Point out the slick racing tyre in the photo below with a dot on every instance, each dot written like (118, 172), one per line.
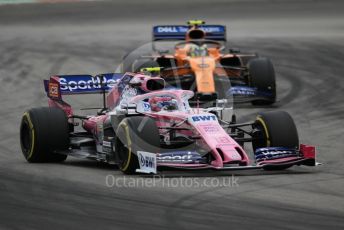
(275, 129)
(262, 77)
(135, 134)
(43, 131)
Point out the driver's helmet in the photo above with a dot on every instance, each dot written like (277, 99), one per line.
(198, 51)
(162, 103)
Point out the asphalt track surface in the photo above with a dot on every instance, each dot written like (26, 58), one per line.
(304, 39)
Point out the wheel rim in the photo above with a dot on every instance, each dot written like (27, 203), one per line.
(26, 137)
(123, 155)
(124, 150)
(261, 136)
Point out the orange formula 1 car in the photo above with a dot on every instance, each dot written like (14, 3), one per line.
(195, 57)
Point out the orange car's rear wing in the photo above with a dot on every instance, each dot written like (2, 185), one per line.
(178, 32)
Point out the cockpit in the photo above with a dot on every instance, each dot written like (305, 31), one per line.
(172, 101)
(198, 48)
(163, 103)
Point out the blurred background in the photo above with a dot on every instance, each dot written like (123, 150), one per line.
(304, 40)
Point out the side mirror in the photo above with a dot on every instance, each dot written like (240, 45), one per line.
(126, 109)
(221, 102)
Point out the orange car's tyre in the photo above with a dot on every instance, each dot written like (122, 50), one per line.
(262, 77)
(43, 131)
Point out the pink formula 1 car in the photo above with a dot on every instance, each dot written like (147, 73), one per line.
(144, 127)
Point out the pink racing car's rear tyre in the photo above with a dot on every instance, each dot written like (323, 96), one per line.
(43, 131)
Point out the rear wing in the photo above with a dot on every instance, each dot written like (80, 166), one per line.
(59, 85)
(178, 32)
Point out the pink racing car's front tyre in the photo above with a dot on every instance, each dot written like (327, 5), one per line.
(275, 129)
(135, 134)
